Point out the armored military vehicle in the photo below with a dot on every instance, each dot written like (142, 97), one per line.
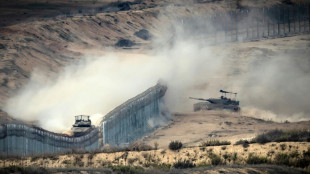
(218, 103)
(82, 125)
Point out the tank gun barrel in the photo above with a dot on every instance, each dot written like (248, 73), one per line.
(222, 91)
(198, 99)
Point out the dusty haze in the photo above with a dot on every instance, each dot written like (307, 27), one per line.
(271, 83)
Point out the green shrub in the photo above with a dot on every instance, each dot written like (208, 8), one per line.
(159, 166)
(254, 159)
(78, 161)
(215, 159)
(215, 143)
(202, 164)
(139, 146)
(19, 169)
(282, 159)
(175, 145)
(183, 164)
(226, 156)
(294, 154)
(234, 157)
(293, 159)
(244, 143)
(127, 169)
(34, 158)
(283, 146)
(66, 162)
(261, 139)
(282, 136)
(91, 156)
(270, 153)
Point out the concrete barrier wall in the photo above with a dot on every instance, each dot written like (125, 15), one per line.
(135, 118)
(25, 140)
(123, 125)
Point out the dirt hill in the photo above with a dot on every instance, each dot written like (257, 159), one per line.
(49, 36)
(195, 127)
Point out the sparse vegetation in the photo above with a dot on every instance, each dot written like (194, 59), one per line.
(282, 136)
(78, 161)
(215, 159)
(66, 162)
(228, 123)
(132, 160)
(175, 145)
(215, 143)
(139, 146)
(283, 146)
(127, 169)
(254, 159)
(244, 143)
(202, 164)
(270, 153)
(183, 164)
(156, 145)
(282, 159)
(19, 169)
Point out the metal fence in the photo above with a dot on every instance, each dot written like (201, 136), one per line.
(252, 24)
(123, 125)
(26, 140)
(135, 118)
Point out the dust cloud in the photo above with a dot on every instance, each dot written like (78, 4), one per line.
(98, 84)
(276, 88)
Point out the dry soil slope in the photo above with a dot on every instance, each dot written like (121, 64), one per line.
(195, 127)
(197, 155)
(51, 43)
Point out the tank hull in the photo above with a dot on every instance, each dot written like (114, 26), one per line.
(209, 106)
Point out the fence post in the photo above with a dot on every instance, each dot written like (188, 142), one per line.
(288, 19)
(257, 21)
(268, 21)
(294, 18)
(298, 11)
(215, 26)
(263, 24)
(221, 27)
(252, 27)
(231, 27)
(247, 24)
(305, 18)
(283, 20)
(236, 14)
(309, 16)
(273, 22)
(279, 18)
(225, 27)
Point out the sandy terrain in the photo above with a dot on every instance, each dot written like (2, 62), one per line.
(194, 127)
(48, 37)
(50, 43)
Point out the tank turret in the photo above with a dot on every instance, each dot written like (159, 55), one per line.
(82, 124)
(218, 103)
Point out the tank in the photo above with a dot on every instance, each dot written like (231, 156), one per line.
(82, 125)
(222, 103)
